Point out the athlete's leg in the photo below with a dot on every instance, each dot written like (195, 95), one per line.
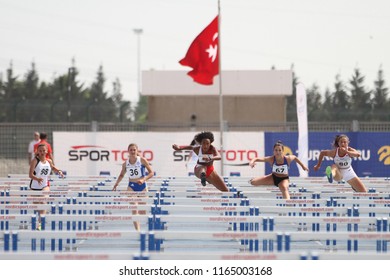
(137, 224)
(261, 181)
(283, 187)
(217, 181)
(200, 172)
(41, 212)
(357, 185)
(336, 173)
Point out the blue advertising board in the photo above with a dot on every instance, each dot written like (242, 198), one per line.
(373, 146)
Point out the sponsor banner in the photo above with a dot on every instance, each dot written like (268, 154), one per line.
(373, 146)
(89, 153)
(303, 133)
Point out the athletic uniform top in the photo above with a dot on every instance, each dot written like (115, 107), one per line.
(191, 163)
(42, 170)
(136, 170)
(201, 161)
(343, 162)
(194, 157)
(280, 169)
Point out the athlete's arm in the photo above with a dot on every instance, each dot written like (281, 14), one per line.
(149, 168)
(351, 152)
(55, 168)
(120, 177)
(323, 153)
(216, 155)
(253, 161)
(33, 164)
(295, 158)
(180, 148)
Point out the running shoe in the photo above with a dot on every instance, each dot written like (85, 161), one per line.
(329, 175)
(203, 178)
(39, 227)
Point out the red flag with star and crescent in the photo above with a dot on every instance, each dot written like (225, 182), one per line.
(202, 55)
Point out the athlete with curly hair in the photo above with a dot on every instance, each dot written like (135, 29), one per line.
(207, 154)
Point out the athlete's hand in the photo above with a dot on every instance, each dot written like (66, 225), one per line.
(141, 181)
(207, 158)
(175, 147)
(344, 149)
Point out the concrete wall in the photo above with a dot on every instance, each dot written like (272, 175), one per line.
(236, 110)
(248, 97)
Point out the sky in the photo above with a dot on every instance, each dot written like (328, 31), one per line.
(321, 39)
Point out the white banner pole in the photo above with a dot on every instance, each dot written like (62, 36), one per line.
(303, 135)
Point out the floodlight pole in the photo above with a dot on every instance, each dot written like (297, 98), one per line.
(138, 32)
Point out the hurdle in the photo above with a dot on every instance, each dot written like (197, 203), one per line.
(305, 255)
(276, 241)
(27, 240)
(38, 255)
(320, 221)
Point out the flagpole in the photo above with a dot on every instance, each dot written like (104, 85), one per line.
(221, 126)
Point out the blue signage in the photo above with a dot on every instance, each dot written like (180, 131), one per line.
(373, 146)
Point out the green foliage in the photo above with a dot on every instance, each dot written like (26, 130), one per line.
(380, 102)
(345, 103)
(141, 110)
(65, 99)
(291, 107)
(314, 104)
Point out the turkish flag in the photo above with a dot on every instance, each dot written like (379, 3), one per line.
(202, 55)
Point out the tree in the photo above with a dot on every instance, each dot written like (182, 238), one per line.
(380, 102)
(291, 108)
(314, 105)
(11, 88)
(12, 97)
(30, 89)
(31, 83)
(340, 102)
(327, 106)
(141, 111)
(123, 107)
(100, 108)
(62, 100)
(360, 98)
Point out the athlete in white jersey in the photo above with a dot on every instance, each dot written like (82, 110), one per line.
(40, 169)
(342, 169)
(134, 168)
(280, 165)
(135, 171)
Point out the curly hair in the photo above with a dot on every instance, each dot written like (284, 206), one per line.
(204, 135)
